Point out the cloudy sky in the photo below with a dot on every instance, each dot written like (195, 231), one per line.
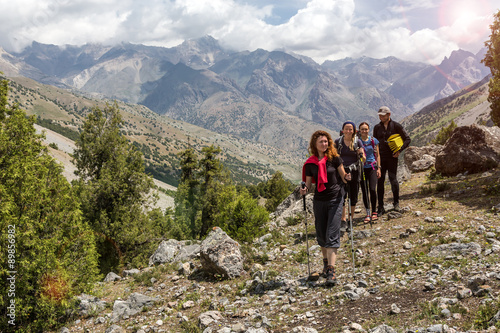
(417, 30)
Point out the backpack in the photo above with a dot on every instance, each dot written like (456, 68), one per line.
(341, 139)
(372, 142)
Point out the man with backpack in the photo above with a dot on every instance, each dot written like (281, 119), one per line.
(393, 140)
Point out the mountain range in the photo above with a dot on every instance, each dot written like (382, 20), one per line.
(270, 97)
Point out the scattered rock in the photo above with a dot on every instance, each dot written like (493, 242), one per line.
(464, 249)
(395, 309)
(112, 277)
(130, 272)
(115, 329)
(132, 306)
(221, 255)
(90, 305)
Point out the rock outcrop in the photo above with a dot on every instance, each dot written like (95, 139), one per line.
(221, 255)
(421, 158)
(470, 149)
(174, 251)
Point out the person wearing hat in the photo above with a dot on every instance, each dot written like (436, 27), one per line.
(388, 158)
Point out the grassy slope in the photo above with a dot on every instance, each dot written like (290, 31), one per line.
(399, 274)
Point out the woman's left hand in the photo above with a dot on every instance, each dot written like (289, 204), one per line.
(379, 174)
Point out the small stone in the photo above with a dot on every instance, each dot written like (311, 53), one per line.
(446, 313)
(407, 246)
(464, 293)
(428, 286)
(395, 309)
(238, 328)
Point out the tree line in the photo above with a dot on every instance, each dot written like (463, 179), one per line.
(64, 237)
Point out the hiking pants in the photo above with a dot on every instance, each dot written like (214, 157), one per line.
(371, 178)
(353, 188)
(388, 164)
(327, 216)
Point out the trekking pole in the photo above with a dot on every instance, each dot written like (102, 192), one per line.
(350, 227)
(366, 192)
(305, 220)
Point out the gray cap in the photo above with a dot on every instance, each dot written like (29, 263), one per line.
(383, 111)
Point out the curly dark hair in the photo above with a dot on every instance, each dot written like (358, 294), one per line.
(330, 153)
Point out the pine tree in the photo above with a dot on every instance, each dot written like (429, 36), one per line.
(277, 189)
(114, 190)
(215, 179)
(45, 241)
(187, 197)
(444, 134)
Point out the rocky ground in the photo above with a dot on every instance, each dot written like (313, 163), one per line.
(433, 267)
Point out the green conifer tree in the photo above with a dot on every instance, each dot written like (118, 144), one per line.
(277, 190)
(46, 246)
(492, 60)
(114, 191)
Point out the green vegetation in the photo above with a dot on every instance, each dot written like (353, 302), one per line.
(206, 197)
(492, 60)
(58, 128)
(484, 315)
(444, 134)
(50, 247)
(275, 190)
(113, 190)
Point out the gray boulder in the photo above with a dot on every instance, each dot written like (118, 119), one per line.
(302, 329)
(112, 277)
(425, 163)
(288, 202)
(413, 154)
(471, 149)
(115, 329)
(403, 174)
(464, 249)
(221, 255)
(187, 252)
(382, 329)
(132, 306)
(175, 251)
(165, 253)
(206, 318)
(90, 305)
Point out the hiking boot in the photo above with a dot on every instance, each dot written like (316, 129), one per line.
(396, 207)
(380, 210)
(331, 279)
(325, 267)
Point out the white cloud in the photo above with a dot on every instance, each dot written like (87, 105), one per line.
(321, 29)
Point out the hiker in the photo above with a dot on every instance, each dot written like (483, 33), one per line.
(324, 168)
(371, 171)
(383, 131)
(350, 148)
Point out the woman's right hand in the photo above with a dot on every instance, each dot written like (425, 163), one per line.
(303, 191)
